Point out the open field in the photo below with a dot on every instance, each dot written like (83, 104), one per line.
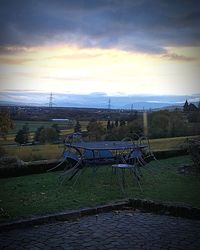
(33, 126)
(68, 128)
(172, 143)
(43, 193)
(54, 151)
(36, 152)
(65, 128)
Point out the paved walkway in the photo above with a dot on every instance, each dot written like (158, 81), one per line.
(114, 230)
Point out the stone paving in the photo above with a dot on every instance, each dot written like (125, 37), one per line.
(113, 230)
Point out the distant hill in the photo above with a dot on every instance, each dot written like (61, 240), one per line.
(154, 106)
(135, 106)
(97, 100)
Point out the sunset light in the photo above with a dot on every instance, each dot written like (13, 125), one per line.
(81, 70)
(108, 47)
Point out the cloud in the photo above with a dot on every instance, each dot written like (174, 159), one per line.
(73, 56)
(75, 78)
(146, 25)
(5, 60)
(174, 56)
(10, 50)
(16, 91)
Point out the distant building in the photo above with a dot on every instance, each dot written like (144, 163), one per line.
(192, 107)
(189, 107)
(59, 120)
(185, 106)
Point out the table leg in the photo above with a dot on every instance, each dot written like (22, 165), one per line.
(135, 176)
(74, 170)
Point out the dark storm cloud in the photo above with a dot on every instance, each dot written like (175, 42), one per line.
(143, 25)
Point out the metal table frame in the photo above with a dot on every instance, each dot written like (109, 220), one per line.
(118, 148)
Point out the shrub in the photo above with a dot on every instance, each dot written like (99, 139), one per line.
(2, 151)
(10, 162)
(193, 148)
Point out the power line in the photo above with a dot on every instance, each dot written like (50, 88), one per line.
(51, 100)
(131, 108)
(109, 104)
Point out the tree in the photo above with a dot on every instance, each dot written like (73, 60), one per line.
(19, 138)
(177, 124)
(26, 132)
(48, 135)
(122, 122)
(22, 136)
(37, 134)
(135, 128)
(108, 125)
(194, 117)
(5, 123)
(95, 130)
(119, 133)
(159, 124)
(56, 127)
(77, 127)
(116, 123)
(132, 116)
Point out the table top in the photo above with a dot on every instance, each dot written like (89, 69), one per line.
(107, 145)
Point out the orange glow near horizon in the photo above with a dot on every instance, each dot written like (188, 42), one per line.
(72, 69)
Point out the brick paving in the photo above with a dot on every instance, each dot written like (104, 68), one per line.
(113, 230)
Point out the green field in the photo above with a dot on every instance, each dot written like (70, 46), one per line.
(33, 125)
(173, 143)
(36, 152)
(43, 193)
(65, 127)
(54, 151)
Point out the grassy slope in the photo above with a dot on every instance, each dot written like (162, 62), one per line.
(172, 143)
(40, 194)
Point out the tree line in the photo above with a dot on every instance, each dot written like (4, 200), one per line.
(42, 135)
(161, 123)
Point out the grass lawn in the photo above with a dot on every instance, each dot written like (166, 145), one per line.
(40, 194)
(172, 143)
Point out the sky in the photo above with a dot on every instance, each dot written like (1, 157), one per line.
(99, 47)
